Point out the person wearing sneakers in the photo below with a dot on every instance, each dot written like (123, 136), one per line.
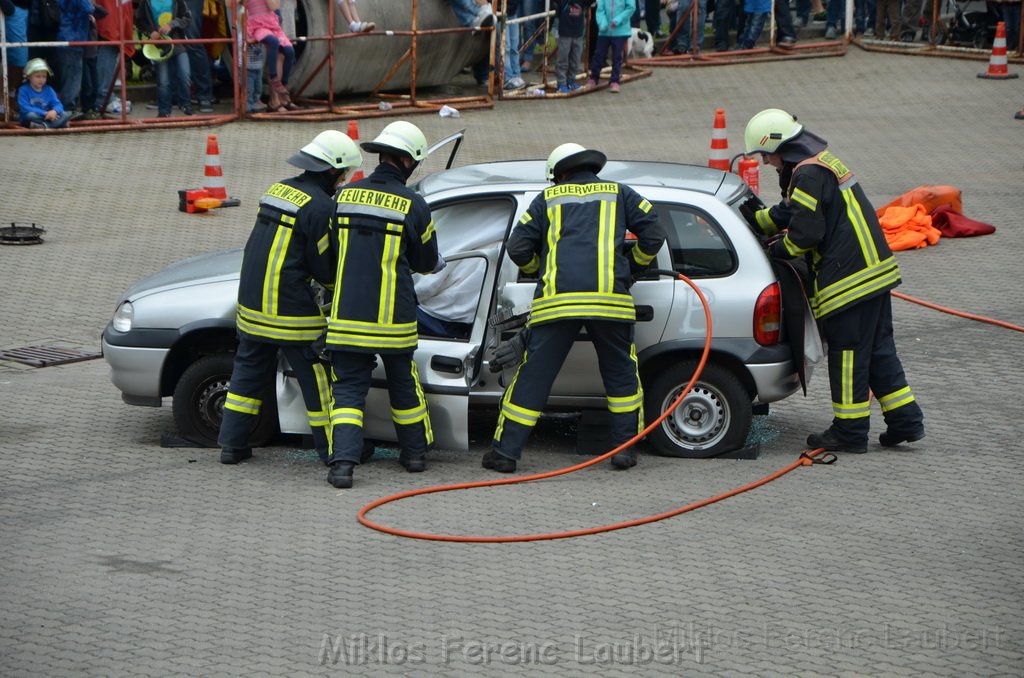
(613, 30)
(826, 218)
(572, 238)
(383, 233)
(355, 25)
(278, 310)
(572, 16)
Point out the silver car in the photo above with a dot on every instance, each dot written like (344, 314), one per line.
(173, 334)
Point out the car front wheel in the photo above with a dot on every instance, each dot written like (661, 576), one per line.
(714, 417)
(199, 403)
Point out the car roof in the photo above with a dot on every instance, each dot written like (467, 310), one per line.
(529, 175)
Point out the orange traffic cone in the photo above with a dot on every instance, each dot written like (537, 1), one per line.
(719, 155)
(213, 183)
(353, 134)
(997, 63)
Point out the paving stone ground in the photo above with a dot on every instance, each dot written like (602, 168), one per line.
(124, 558)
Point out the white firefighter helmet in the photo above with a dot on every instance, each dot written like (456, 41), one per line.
(35, 65)
(330, 149)
(401, 137)
(569, 156)
(769, 129)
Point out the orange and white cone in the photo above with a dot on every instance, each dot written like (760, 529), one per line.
(353, 134)
(213, 182)
(997, 69)
(719, 155)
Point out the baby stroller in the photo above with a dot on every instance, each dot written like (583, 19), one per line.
(966, 29)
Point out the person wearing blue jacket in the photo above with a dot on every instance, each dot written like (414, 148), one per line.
(613, 29)
(38, 105)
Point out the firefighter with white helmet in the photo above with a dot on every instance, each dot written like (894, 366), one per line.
(383, 233)
(277, 307)
(572, 239)
(826, 218)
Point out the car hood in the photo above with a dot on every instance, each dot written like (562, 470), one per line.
(200, 270)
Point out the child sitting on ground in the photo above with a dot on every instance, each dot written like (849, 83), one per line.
(39, 107)
(348, 10)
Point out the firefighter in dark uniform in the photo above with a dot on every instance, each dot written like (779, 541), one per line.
(573, 239)
(826, 217)
(277, 307)
(383, 233)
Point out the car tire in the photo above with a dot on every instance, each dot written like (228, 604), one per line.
(199, 403)
(714, 417)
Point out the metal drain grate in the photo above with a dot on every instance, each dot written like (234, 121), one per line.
(44, 356)
(21, 234)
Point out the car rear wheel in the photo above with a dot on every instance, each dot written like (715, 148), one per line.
(714, 417)
(199, 403)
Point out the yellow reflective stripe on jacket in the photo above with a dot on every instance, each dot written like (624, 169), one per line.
(791, 247)
(532, 266)
(641, 257)
(804, 198)
(428, 233)
(375, 203)
(606, 247)
(321, 418)
(765, 222)
(371, 335)
(551, 263)
(583, 305)
(242, 404)
(275, 264)
(389, 276)
(323, 243)
(860, 227)
(896, 399)
(305, 322)
(864, 282)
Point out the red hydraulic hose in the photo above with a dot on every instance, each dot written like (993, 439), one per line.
(804, 460)
(969, 316)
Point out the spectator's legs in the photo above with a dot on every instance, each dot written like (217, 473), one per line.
(600, 55)
(562, 60)
(724, 21)
(273, 46)
(465, 11)
(836, 11)
(784, 22)
(618, 53)
(198, 60)
(652, 16)
(106, 65)
(752, 31)
(71, 69)
(183, 82)
(162, 69)
(288, 54)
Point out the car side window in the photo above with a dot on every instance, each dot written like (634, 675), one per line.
(696, 241)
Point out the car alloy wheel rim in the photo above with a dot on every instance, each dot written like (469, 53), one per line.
(700, 420)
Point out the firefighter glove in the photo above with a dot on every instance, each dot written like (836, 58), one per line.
(510, 353)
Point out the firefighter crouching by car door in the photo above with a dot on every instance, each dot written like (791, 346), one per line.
(831, 222)
(573, 239)
(277, 308)
(383, 233)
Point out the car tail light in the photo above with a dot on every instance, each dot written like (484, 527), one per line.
(768, 316)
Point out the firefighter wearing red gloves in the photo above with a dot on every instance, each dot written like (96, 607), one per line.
(383, 233)
(277, 308)
(573, 239)
(825, 217)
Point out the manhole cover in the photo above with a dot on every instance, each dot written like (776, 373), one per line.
(44, 356)
(21, 234)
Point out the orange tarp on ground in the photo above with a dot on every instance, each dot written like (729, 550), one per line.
(929, 196)
(908, 228)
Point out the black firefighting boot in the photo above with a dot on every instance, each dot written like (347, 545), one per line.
(340, 474)
(828, 440)
(413, 464)
(494, 461)
(233, 455)
(892, 438)
(624, 459)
